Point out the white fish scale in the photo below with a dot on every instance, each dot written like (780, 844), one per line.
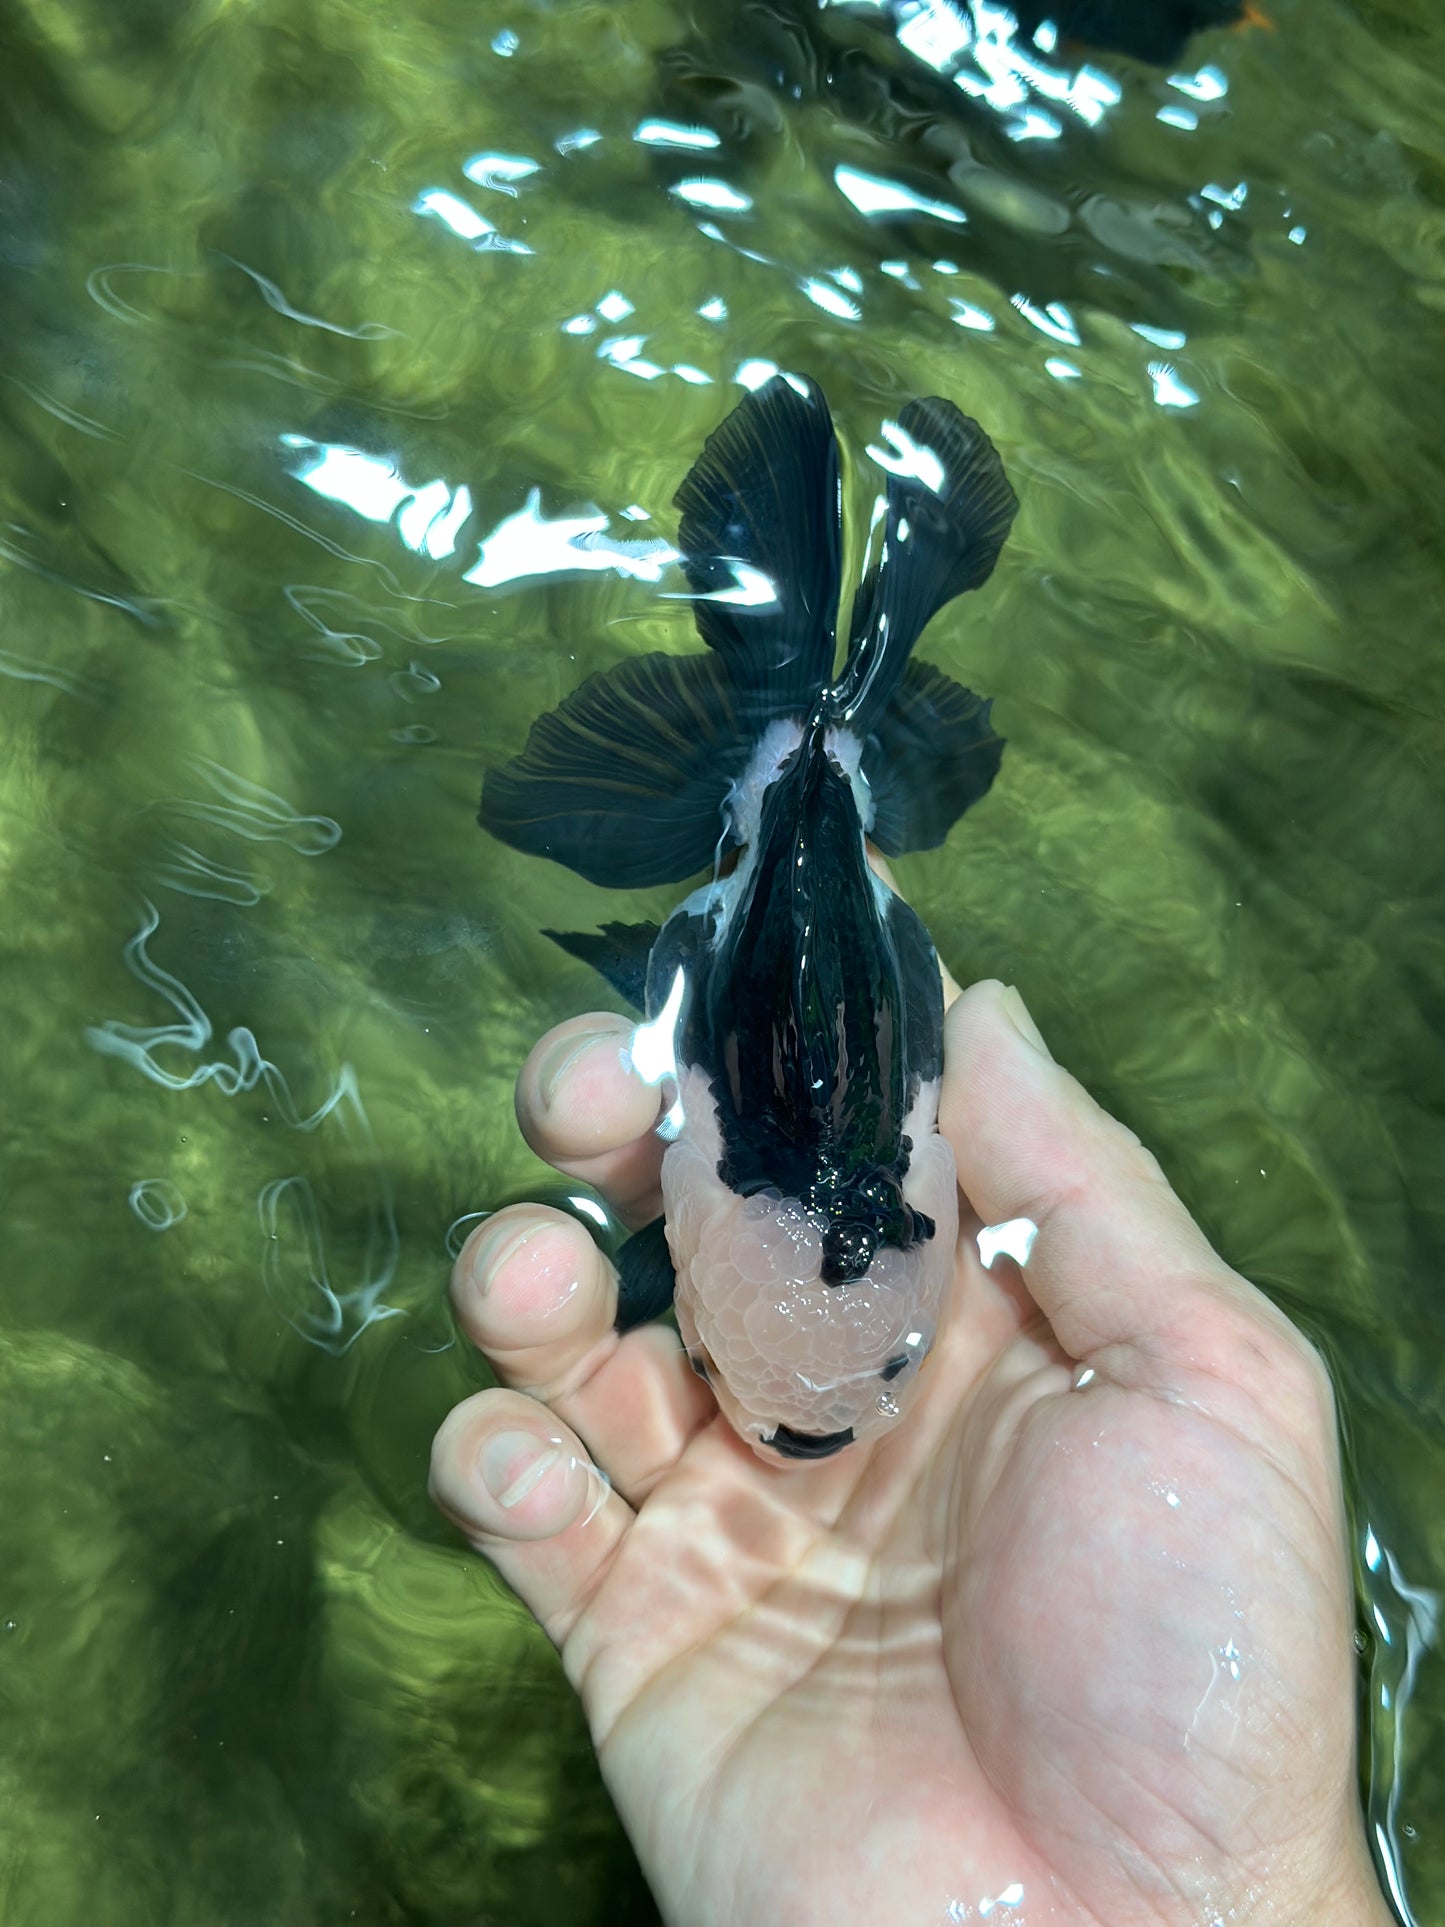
(775, 746)
(784, 1348)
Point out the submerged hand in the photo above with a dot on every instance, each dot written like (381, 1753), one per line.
(1072, 1644)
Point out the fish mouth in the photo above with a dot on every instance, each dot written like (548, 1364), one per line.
(809, 1445)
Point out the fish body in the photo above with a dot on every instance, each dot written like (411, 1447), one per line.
(810, 1205)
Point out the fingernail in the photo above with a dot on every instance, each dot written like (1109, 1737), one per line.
(563, 1054)
(1017, 1012)
(494, 1250)
(512, 1464)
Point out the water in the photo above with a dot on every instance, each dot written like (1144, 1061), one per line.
(302, 417)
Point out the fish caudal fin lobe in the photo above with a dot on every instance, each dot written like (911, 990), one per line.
(625, 781)
(948, 509)
(929, 749)
(761, 544)
(931, 755)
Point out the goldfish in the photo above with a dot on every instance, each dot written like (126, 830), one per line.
(794, 1000)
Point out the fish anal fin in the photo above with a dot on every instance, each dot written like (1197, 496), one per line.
(618, 952)
(645, 1277)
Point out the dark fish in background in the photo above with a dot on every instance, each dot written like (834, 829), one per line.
(793, 1000)
(1154, 30)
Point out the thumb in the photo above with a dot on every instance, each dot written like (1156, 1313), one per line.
(1118, 1265)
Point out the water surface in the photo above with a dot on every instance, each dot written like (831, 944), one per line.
(353, 356)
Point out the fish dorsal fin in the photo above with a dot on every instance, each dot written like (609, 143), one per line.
(931, 754)
(761, 545)
(948, 508)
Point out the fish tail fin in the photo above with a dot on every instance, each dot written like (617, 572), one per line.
(929, 749)
(627, 781)
(761, 543)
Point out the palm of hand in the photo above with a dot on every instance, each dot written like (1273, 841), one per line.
(997, 1652)
(1071, 1645)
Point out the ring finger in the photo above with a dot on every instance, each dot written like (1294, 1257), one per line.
(534, 1293)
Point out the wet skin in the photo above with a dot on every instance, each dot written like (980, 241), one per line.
(1082, 1626)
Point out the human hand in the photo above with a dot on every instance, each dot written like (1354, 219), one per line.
(1072, 1644)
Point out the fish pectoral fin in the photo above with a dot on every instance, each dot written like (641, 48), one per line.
(645, 1277)
(618, 952)
(931, 754)
(922, 995)
(626, 779)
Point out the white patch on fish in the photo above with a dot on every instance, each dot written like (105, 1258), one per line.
(781, 1346)
(777, 743)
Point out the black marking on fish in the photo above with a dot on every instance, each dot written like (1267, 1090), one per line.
(809, 1445)
(894, 1367)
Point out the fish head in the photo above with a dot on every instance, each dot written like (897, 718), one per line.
(802, 1367)
(861, 1213)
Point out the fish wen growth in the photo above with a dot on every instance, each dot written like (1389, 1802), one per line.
(810, 1205)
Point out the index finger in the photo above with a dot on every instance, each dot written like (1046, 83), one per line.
(583, 1107)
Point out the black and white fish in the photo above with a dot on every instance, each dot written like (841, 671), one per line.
(810, 1203)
